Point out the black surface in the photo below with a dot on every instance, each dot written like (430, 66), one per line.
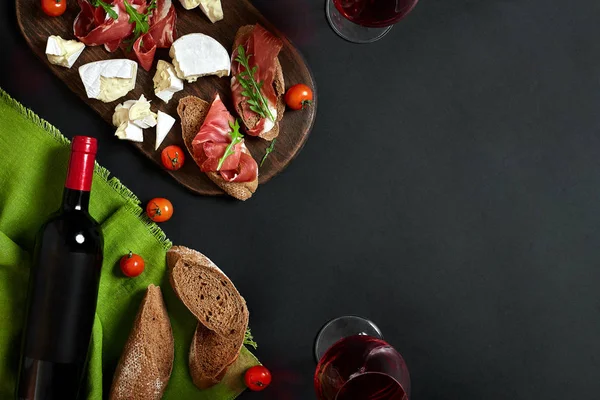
(450, 191)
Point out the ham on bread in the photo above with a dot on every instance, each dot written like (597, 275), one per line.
(262, 49)
(94, 27)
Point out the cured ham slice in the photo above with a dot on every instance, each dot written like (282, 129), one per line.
(94, 27)
(262, 49)
(211, 142)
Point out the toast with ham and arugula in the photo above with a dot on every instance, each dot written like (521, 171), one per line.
(212, 137)
(256, 50)
(147, 360)
(221, 312)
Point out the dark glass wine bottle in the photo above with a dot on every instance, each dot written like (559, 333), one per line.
(63, 289)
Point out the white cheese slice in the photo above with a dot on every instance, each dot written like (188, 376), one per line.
(166, 81)
(269, 124)
(108, 80)
(141, 115)
(129, 131)
(212, 9)
(197, 55)
(165, 123)
(189, 4)
(63, 52)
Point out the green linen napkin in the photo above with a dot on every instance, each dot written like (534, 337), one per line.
(31, 185)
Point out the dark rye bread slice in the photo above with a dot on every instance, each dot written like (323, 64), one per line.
(192, 112)
(211, 352)
(147, 360)
(278, 85)
(210, 357)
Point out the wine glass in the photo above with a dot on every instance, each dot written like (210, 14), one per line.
(359, 365)
(365, 21)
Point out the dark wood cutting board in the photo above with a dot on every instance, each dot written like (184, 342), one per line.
(294, 127)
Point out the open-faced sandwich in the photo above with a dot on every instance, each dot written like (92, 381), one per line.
(213, 138)
(257, 81)
(220, 309)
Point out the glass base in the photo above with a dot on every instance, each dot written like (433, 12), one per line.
(349, 30)
(342, 327)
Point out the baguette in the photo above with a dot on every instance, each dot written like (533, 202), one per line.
(221, 312)
(278, 85)
(192, 112)
(147, 361)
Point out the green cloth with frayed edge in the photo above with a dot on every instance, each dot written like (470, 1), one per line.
(33, 165)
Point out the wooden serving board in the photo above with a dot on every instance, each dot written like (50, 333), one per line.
(294, 127)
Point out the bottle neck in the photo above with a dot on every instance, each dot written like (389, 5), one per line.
(75, 200)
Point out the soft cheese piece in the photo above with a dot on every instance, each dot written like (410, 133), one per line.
(63, 52)
(189, 4)
(108, 80)
(165, 123)
(129, 131)
(122, 112)
(166, 81)
(197, 55)
(141, 115)
(212, 9)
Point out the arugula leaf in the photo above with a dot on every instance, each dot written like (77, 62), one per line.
(236, 137)
(140, 21)
(107, 7)
(256, 100)
(268, 151)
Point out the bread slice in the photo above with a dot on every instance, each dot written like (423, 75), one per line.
(147, 360)
(210, 357)
(278, 85)
(220, 309)
(192, 112)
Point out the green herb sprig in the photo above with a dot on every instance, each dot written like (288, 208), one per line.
(268, 151)
(252, 88)
(140, 21)
(236, 137)
(107, 7)
(249, 340)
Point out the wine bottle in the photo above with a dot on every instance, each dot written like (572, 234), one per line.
(63, 289)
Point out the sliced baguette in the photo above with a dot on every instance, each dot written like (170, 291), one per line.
(192, 112)
(220, 309)
(278, 84)
(147, 360)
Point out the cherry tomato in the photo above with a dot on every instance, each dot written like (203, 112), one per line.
(257, 378)
(132, 265)
(54, 8)
(299, 96)
(159, 210)
(172, 157)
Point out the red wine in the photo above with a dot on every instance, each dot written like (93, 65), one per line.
(362, 368)
(375, 13)
(63, 289)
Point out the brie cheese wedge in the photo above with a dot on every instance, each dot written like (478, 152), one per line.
(122, 112)
(63, 52)
(129, 131)
(166, 82)
(108, 80)
(165, 123)
(141, 115)
(212, 9)
(189, 4)
(196, 55)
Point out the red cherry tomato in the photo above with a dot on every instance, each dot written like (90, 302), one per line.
(132, 265)
(159, 210)
(54, 8)
(299, 96)
(172, 157)
(257, 378)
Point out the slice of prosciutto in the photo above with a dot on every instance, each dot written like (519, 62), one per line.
(94, 27)
(262, 49)
(211, 142)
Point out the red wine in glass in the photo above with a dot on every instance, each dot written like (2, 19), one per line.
(364, 21)
(362, 367)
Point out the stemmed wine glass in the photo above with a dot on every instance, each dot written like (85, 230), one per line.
(365, 21)
(355, 363)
